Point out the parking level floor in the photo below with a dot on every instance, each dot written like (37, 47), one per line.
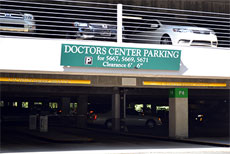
(21, 139)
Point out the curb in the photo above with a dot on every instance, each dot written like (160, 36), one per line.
(165, 138)
(179, 140)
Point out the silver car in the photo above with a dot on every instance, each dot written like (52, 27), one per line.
(95, 30)
(133, 118)
(16, 21)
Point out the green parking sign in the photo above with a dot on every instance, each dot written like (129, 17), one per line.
(119, 57)
(178, 93)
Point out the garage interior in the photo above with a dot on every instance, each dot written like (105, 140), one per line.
(208, 108)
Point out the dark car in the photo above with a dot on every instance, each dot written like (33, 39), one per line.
(133, 118)
(95, 30)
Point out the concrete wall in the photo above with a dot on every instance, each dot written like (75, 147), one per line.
(45, 54)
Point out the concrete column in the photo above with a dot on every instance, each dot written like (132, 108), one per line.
(153, 109)
(178, 113)
(116, 110)
(65, 105)
(19, 104)
(82, 108)
(31, 104)
(46, 104)
(5, 103)
(10, 103)
(45, 108)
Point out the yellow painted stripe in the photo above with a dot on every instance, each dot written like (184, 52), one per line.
(38, 80)
(192, 84)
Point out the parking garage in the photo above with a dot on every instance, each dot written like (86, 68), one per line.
(32, 95)
(53, 73)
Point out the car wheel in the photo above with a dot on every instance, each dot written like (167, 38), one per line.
(166, 40)
(150, 124)
(108, 124)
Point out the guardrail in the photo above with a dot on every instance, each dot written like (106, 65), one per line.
(113, 22)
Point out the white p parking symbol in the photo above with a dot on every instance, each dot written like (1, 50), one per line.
(88, 60)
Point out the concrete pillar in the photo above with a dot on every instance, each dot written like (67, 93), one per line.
(116, 110)
(178, 113)
(19, 104)
(5, 103)
(31, 104)
(82, 108)
(65, 105)
(153, 109)
(10, 103)
(45, 104)
(45, 108)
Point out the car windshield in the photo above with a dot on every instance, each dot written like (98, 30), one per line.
(131, 112)
(177, 22)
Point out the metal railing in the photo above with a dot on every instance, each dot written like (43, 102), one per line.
(218, 25)
(112, 22)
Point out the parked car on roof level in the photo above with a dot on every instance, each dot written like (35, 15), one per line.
(95, 30)
(175, 33)
(16, 21)
(133, 118)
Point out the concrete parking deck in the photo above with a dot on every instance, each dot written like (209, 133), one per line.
(72, 140)
(57, 135)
